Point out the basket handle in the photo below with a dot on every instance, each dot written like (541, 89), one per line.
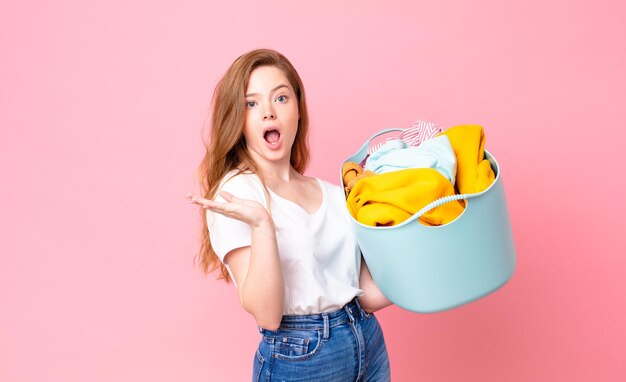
(366, 144)
(381, 132)
(441, 201)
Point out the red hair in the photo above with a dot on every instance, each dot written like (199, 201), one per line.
(226, 149)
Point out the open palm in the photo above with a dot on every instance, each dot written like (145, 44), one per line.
(247, 211)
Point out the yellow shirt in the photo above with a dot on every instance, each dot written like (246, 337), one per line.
(391, 198)
(473, 171)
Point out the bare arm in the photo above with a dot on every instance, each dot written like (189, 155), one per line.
(256, 268)
(372, 299)
(259, 276)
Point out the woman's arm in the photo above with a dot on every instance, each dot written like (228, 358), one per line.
(256, 268)
(259, 276)
(372, 299)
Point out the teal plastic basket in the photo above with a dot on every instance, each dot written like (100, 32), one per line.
(431, 269)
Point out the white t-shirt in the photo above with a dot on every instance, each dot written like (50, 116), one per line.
(319, 255)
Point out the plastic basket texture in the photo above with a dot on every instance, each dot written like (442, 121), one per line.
(430, 269)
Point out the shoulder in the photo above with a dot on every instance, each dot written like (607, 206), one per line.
(334, 192)
(336, 202)
(244, 185)
(237, 178)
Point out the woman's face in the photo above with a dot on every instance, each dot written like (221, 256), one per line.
(271, 115)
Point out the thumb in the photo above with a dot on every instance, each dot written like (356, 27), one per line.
(227, 196)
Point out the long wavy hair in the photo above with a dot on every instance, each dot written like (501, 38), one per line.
(226, 149)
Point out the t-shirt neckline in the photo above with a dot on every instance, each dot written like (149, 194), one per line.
(299, 207)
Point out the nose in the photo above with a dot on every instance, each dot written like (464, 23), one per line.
(268, 113)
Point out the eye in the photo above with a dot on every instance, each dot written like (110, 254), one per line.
(250, 104)
(281, 99)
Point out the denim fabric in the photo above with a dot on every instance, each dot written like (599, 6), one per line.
(343, 345)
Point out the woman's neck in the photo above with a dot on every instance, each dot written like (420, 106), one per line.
(277, 173)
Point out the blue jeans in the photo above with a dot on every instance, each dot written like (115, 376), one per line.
(343, 345)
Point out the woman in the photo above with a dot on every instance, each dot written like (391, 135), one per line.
(285, 238)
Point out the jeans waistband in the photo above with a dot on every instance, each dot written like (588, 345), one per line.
(322, 321)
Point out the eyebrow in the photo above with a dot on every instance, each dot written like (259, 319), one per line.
(273, 90)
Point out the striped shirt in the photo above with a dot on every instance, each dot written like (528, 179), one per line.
(413, 136)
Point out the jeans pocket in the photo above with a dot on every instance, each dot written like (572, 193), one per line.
(366, 315)
(294, 344)
(257, 367)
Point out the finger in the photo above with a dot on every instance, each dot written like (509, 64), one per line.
(192, 196)
(195, 199)
(200, 203)
(227, 196)
(225, 209)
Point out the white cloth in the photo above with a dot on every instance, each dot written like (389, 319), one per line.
(319, 255)
(434, 153)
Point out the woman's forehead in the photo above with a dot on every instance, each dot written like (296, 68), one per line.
(266, 79)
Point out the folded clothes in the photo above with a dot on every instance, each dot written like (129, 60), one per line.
(393, 197)
(474, 173)
(397, 155)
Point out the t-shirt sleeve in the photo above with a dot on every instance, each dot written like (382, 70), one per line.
(226, 233)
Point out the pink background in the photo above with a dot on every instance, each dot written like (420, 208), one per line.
(101, 109)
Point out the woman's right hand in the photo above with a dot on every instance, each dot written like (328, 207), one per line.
(247, 211)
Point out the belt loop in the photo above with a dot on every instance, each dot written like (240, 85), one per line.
(361, 311)
(349, 312)
(326, 326)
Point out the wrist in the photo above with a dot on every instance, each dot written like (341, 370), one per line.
(263, 224)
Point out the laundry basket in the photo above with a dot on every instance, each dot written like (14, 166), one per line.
(428, 269)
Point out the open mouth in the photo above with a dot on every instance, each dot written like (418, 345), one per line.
(271, 136)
